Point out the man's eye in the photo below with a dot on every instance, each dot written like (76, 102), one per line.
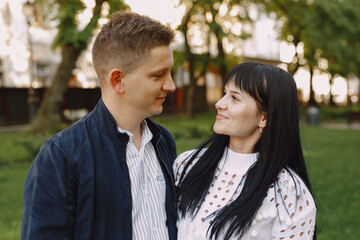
(159, 75)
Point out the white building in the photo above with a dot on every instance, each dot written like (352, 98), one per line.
(26, 54)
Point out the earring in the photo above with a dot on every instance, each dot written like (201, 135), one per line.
(260, 129)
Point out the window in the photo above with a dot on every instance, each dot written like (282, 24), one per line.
(43, 74)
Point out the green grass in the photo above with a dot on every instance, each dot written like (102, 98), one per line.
(188, 133)
(19, 146)
(11, 186)
(332, 156)
(334, 167)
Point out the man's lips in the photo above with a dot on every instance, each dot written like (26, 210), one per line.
(220, 117)
(161, 98)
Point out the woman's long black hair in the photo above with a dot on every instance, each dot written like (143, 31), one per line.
(275, 93)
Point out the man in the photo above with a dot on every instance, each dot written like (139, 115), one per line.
(109, 175)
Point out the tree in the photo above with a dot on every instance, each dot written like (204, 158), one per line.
(336, 30)
(72, 42)
(327, 29)
(190, 59)
(214, 23)
(290, 15)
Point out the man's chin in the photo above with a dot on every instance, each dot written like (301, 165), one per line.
(157, 111)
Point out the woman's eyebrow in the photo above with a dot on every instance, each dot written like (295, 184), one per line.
(236, 92)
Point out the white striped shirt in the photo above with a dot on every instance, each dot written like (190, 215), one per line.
(148, 189)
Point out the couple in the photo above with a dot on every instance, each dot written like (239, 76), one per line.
(112, 175)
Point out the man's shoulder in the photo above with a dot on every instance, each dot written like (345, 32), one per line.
(72, 138)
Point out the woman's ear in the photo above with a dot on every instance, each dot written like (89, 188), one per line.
(262, 120)
(115, 79)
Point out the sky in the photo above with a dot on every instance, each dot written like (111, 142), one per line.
(166, 11)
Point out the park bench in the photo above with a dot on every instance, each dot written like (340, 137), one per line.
(353, 116)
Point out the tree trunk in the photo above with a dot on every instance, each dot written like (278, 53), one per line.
(49, 115)
(331, 98)
(200, 99)
(312, 101)
(221, 56)
(190, 100)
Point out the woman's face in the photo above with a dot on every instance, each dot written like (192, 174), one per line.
(238, 117)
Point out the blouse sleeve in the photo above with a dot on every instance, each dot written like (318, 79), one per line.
(297, 210)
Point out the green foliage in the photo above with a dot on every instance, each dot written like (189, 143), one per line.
(68, 32)
(214, 26)
(336, 114)
(338, 27)
(65, 12)
(19, 147)
(183, 129)
(329, 29)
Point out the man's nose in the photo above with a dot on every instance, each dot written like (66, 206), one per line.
(169, 85)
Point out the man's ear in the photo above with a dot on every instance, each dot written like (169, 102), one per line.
(115, 79)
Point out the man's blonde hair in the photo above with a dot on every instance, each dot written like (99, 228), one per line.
(126, 40)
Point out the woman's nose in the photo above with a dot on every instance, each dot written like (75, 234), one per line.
(220, 104)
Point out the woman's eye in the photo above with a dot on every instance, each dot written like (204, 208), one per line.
(233, 97)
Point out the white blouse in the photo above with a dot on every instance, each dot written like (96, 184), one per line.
(290, 216)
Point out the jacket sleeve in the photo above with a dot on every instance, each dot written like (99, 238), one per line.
(49, 197)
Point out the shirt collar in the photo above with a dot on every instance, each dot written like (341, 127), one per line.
(146, 134)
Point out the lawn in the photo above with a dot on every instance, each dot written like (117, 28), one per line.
(332, 156)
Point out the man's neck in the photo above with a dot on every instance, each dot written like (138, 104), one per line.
(127, 121)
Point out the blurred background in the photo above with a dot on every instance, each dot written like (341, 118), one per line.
(47, 82)
(45, 47)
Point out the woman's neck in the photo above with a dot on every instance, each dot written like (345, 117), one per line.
(241, 145)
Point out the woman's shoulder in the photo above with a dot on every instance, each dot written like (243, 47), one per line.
(291, 192)
(183, 156)
(289, 209)
(291, 182)
(181, 161)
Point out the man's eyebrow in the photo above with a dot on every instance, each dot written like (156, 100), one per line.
(159, 70)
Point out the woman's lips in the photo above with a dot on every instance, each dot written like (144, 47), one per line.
(220, 117)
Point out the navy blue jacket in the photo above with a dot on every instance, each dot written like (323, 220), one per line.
(78, 186)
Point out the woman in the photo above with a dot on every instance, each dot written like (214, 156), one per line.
(248, 180)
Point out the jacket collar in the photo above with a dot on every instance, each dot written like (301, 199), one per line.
(106, 122)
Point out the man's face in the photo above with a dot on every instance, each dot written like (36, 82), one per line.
(146, 87)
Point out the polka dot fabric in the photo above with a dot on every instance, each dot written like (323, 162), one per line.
(287, 212)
